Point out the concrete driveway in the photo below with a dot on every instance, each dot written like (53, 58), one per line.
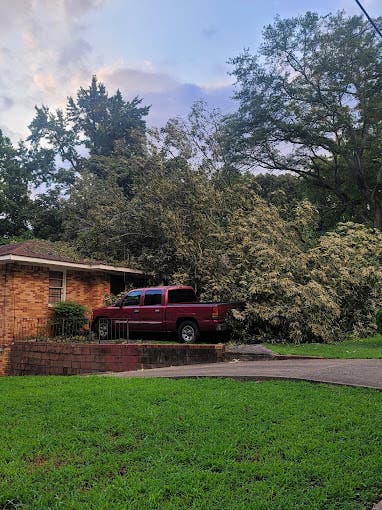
(349, 372)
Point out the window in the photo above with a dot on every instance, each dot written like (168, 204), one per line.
(132, 298)
(153, 297)
(181, 296)
(56, 287)
(117, 284)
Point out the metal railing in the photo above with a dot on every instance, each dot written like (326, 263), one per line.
(66, 330)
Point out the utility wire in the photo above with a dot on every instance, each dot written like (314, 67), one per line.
(368, 17)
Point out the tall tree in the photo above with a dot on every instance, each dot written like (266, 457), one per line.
(103, 120)
(198, 138)
(93, 120)
(310, 101)
(14, 193)
(22, 170)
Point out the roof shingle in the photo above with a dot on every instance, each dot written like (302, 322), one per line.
(39, 249)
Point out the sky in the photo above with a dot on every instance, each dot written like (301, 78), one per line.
(168, 52)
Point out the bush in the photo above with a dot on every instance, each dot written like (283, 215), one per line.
(68, 318)
(378, 320)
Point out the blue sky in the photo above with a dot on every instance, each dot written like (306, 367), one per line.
(170, 52)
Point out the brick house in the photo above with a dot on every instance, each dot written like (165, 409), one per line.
(35, 274)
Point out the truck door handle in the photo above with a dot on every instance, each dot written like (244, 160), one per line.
(136, 311)
(157, 310)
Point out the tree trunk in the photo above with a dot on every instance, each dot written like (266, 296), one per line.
(377, 212)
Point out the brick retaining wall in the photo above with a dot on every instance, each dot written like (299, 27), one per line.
(44, 358)
(4, 359)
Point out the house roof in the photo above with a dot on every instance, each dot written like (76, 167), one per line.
(36, 248)
(45, 253)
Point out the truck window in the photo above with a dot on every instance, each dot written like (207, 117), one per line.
(181, 296)
(153, 297)
(132, 298)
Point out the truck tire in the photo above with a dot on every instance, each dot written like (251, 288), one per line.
(101, 329)
(188, 332)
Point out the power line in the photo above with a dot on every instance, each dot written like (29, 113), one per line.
(368, 17)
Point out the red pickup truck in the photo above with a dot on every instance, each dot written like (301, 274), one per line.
(162, 309)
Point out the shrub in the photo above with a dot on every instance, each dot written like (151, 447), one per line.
(68, 318)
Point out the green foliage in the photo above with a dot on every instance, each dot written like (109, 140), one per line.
(92, 218)
(69, 310)
(53, 129)
(263, 263)
(22, 171)
(46, 215)
(14, 191)
(93, 119)
(295, 292)
(310, 102)
(103, 120)
(378, 320)
(347, 262)
(175, 212)
(67, 319)
(197, 140)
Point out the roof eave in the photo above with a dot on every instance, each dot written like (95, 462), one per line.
(4, 259)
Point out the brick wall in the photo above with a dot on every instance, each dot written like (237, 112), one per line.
(7, 303)
(4, 359)
(30, 288)
(87, 288)
(3, 300)
(27, 358)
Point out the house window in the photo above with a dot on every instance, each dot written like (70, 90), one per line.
(117, 284)
(56, 287)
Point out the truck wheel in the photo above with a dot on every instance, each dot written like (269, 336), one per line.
(101, 329)
(188, 332)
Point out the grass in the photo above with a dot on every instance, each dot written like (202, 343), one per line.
(351, 349)
(104, 443)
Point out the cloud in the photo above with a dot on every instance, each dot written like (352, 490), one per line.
(136, 82)
(209, 32)
(6, 103)
(178, 102)
(13, 135)
(167, 96)
(5, 55)
(14, 13)
(45, 82)
(44, 55)
(78, 8)
(74, 52)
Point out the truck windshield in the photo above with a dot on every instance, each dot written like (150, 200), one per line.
(181, 296)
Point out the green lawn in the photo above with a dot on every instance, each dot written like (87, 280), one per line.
(104, 443)
(361, 348)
